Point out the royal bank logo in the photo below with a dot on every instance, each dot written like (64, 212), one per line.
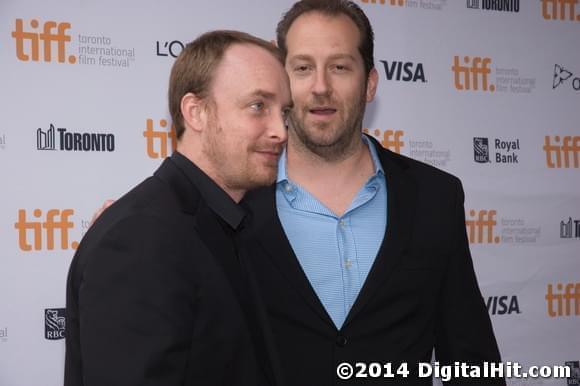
(48, 231)
(503, 305)
(49, 42)
(60, 138)
(570, 229)
(172, 48)
(481, 150)
(562, 152)
(562, 75)
(562, 10)
(4, 334)
(574, 378)
(495, 5)
(54, 323)
(505, 151)
(159, 143)
(563, 299)
(404, 71)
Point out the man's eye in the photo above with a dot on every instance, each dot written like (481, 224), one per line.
(257, 106)
(301, 68)
(340, 67)
(286, 117)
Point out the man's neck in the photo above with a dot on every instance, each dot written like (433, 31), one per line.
(196, 156)
(335, 183)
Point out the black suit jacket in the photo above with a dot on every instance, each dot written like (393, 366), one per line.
(156, 294)
(420, 294)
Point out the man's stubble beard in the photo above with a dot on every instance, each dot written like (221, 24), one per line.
(234, 176)
(342, 146)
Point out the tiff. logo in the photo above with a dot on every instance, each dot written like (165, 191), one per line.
(560, 303)
(472, 74)
(158, 145)
(391, 139)
(56, 219)
(28, 43)
(480, 227)
(560, 10)
(556, 153)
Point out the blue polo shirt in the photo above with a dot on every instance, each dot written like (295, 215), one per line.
(336, 253)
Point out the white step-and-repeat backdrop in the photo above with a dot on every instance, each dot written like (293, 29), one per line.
(487, 90)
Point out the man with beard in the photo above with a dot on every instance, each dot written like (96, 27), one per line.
(158, 293)
(339, 244)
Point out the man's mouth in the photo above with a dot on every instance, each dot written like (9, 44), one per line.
(322, 111)
(272, 153)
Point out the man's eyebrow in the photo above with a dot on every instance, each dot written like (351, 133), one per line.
(342, 56)
(332, 57)
(260, 93)
(266, 95)
(301, 57)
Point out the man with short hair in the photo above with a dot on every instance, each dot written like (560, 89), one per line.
(158, 292)
(338, 246)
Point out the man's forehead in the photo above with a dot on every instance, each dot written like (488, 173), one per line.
(321, 31)
(307, 21)
(243, 60)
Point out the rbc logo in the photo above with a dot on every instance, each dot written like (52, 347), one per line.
(481, 149)
(54, 323)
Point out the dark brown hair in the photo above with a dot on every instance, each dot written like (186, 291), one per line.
(331, 8)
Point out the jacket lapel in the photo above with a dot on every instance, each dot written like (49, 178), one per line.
(401, 198)
(268, 233)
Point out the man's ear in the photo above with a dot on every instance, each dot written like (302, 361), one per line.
(193, 112)
(372, 82)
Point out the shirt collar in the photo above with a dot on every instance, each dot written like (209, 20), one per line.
(282, 172)
(215, 197)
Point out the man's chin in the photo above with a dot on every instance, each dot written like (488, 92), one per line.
(264, 178)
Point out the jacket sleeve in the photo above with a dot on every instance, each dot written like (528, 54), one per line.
(134, 307)
(464, 331)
